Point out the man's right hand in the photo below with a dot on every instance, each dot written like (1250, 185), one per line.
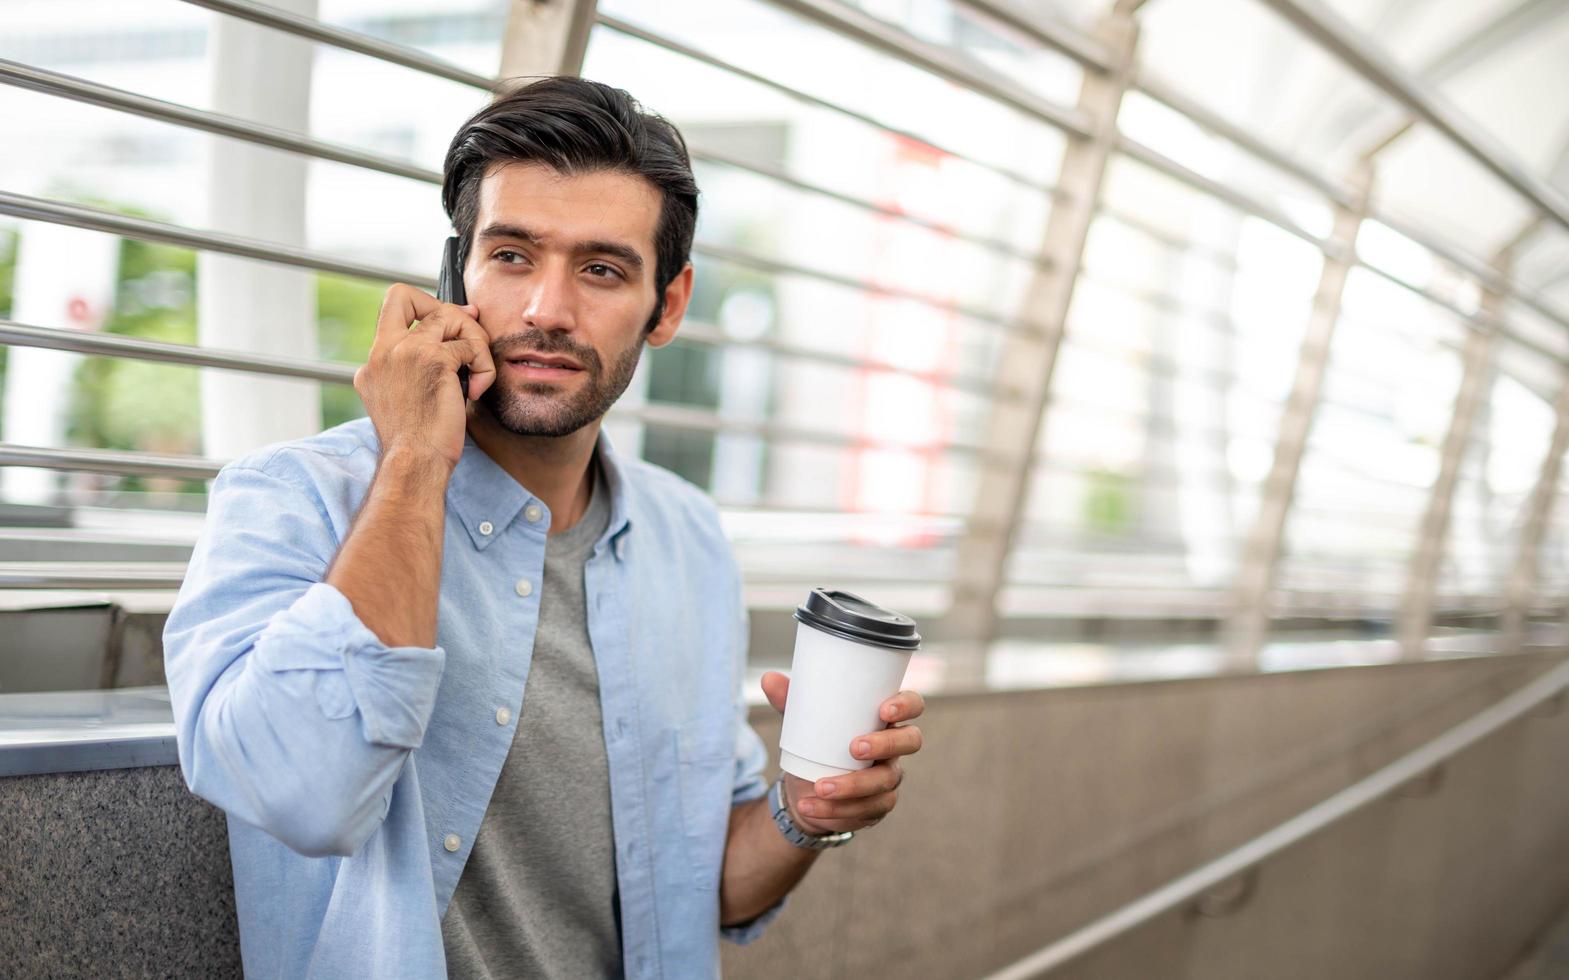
(409, 383)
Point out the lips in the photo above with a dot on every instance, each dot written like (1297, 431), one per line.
(542, 368)
(545, 361)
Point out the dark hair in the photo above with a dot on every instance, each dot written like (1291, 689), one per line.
(576, 126)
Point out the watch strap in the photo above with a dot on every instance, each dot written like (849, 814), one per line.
(794, 834)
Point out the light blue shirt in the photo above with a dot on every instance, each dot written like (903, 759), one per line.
(355, 775)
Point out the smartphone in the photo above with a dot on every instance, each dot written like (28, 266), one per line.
(449, 289)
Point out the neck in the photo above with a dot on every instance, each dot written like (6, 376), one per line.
(554, 468)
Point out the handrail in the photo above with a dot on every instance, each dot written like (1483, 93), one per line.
(772, 266)
(97, 576)
(1087, 51)
(117, 345)
(338, 37)
(711, 155)
(145, 229)
(79, 89)
(17, 334)
(1195, 883)
(631, 30)
(952, 66)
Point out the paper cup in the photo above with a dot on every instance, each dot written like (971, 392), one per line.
(850, 657)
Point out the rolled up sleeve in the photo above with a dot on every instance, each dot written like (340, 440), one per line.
(290, 714)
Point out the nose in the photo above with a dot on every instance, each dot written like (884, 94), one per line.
(551, 300)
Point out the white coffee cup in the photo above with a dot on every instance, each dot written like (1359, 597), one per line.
(850, 657)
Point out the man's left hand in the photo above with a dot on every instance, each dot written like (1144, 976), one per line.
(859, 799)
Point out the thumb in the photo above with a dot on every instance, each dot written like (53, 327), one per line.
(776, 687)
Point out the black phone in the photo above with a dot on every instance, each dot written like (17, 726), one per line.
(449, 289)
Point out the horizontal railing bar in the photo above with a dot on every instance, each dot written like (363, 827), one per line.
(1488, 276)
(1050, 33)
(338, 37)
(108, 461)
(1473, 320)
(1333, 34)
(764, 263)
(117, 345)
(97, 576)
(1380, 784)
(1176, 243)
(696, 54)
(666, 416)
(709, 335)
(1340, 194)
(95, 219)
(945, 63)
(704, 420)
(700, 152)
(81, 90)
(144, 229)
(1205, 118)
(1245, 203)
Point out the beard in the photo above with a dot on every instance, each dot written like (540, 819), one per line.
(535, 408)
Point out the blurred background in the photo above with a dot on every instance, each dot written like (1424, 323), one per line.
(1199, 342)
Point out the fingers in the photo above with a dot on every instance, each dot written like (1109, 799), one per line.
(890, 742)
(438, 323)
(402, 305)
(776, 687)
(871, 808)
(881, 778)
(902, 707)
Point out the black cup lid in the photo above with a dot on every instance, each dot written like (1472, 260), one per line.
(848, 615)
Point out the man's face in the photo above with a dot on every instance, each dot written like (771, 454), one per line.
(562, 271)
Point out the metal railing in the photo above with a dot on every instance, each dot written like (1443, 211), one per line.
(952, 65)
(1189, 887)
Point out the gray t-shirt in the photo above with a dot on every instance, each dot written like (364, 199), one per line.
(538, 895)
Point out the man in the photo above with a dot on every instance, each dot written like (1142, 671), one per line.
(467, 682)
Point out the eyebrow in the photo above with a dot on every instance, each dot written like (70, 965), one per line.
(625, 253)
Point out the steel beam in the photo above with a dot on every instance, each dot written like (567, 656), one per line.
(1416, 606)
(546, 37)
(1027, 364)
(1520, 590)
(1331, 32)
(1249, 619)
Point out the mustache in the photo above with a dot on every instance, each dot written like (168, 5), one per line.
(545, 342)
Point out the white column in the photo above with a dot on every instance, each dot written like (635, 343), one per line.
(1249, 621)
(64, 278)
(265, 76)
(1027, 364)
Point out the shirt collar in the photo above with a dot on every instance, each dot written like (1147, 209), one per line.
(485, 497)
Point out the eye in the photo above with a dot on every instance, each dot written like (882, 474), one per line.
(608, 268)
(507, 251)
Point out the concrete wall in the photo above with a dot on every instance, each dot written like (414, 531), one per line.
(1030, 814)
(1026, 815)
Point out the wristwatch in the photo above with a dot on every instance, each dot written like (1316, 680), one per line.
(794, 834)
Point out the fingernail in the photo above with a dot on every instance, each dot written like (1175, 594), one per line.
(806, 806)
(825, 789)
(892, 712)
(862, 747)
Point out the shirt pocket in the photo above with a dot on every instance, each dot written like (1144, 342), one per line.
(707, 756)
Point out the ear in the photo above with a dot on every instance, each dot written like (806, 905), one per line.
(677, 295)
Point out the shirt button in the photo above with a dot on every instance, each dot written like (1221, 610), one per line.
(452, 842)
(503, 716)
(532, 513)
(525, 587)
(485, 527)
